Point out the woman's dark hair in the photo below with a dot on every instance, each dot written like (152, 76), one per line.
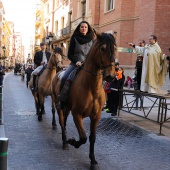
(90, 29)
(154, 37)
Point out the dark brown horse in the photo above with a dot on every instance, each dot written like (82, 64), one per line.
(87, 97)
(44, 84)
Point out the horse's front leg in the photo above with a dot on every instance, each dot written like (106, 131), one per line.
(54, 125)
(92, 138)
(37, 106)
(41, 102)
(78, 120)
(62, 121)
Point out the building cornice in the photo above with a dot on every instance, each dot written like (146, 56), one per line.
(118, 20)
(44, 1)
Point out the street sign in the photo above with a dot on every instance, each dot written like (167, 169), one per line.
(124, 50)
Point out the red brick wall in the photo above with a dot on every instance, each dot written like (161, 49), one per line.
(162, 25)
(134, 20)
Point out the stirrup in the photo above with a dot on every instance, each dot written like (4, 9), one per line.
(60, 105)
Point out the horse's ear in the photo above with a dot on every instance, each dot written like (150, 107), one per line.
(98, 35)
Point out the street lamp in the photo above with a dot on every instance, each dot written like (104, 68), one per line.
(49, 39)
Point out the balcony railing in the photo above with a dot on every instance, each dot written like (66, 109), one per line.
(66, 30)
(63, 32)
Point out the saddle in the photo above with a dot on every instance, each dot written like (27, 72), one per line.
(42, 70)
(38, 75)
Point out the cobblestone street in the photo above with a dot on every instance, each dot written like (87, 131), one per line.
(34, 145)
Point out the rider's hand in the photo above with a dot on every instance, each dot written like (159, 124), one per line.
(131, 44)
(79, 63)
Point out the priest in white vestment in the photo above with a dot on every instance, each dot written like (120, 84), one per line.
(154, 68)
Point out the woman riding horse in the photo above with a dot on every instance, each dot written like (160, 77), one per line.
(80, 44)
(87, 96)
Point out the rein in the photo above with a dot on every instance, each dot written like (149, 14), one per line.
(55, 66)
(95, 74)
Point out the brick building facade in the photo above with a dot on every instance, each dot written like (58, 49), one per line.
(133, 20)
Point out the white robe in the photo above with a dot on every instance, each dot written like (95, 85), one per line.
(144, 52)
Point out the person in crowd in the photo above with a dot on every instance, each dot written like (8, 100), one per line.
(28, 72)
(128, 82)
(2, 73)
(109, 95)
(168, 58)
(154, 66)
(115, 94)
(138, 66)
(80, 44)
(40, 59)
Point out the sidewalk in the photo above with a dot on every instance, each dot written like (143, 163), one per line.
(145, 124)
(2, 131)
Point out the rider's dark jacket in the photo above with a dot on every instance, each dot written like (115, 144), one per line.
(39, 56)
(79, 47)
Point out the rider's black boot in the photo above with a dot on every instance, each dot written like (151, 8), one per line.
(63, 96)
(34, 82)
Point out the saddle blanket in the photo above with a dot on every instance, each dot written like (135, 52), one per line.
(60, 75)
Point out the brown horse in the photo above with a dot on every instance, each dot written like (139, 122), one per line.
(87, 97)
(44, 84)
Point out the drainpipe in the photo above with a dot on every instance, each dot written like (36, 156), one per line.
(99, 14)
(53, 16)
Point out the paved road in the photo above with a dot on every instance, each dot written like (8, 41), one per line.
(34, 145)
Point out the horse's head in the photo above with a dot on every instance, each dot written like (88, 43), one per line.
(105, 46)
(57, 57)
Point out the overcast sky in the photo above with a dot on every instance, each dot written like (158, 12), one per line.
(22, 13)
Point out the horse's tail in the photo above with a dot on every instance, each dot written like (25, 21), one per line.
(31, 82)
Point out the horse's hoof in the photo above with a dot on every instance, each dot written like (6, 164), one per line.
(94, 167)
(65, 146)
(39, 118)
(71, 141)
(54, 127)
(54, 124)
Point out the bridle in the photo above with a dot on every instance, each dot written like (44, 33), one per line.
(56, 63)
(102, 67)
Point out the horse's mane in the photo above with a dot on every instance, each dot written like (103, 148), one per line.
(109, 40)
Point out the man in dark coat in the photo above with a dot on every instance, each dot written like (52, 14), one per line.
(40, 58)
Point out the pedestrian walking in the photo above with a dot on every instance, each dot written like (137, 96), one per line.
(154, 68)
(28, 73)
(2, 73)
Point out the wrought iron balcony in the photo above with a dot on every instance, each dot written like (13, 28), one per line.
(66, 30)
(63, 32)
